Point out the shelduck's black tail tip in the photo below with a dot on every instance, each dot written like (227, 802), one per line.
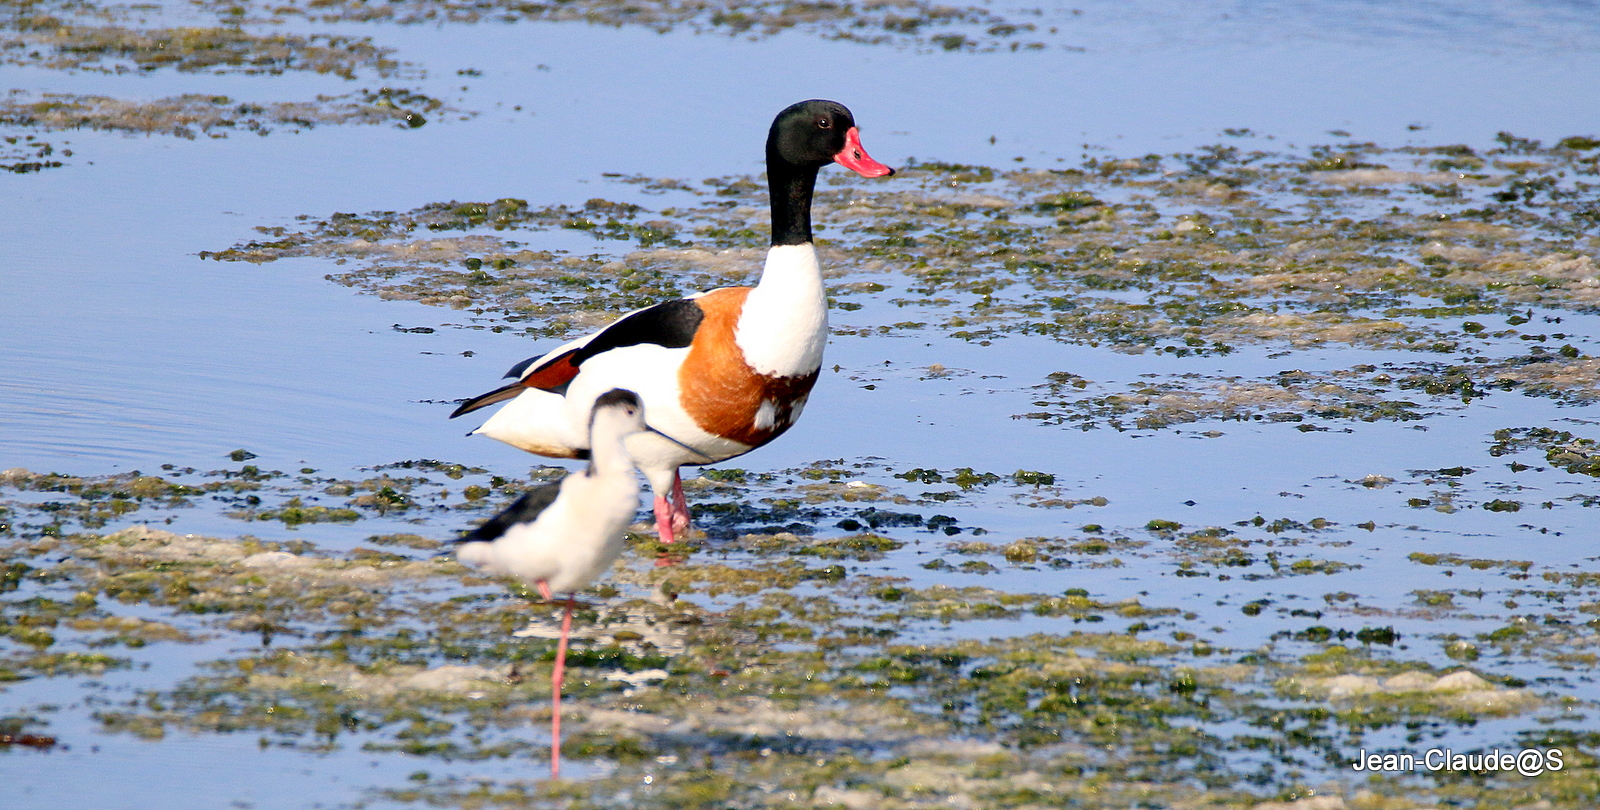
(497, 395)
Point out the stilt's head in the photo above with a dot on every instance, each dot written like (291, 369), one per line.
(617, 412)
(620, 413)
(817, 132)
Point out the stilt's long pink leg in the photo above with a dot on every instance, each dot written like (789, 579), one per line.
(557, 676)
(680, 505)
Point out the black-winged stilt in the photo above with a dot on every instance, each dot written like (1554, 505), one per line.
(560, 537)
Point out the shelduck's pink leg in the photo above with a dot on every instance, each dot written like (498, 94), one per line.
(664, 520)
(557, 676)
(680, 505)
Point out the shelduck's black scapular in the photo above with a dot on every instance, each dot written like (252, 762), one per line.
(721, 372)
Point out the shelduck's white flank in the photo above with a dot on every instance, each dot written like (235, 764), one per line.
(783, 327)
(535, 421)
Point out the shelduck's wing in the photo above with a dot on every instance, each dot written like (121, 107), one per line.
(671, 324)
(522, 365)
(525, 509)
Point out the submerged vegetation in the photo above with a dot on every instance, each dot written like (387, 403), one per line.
(239, 37)
(834, 636)
(914, 22)
(58, 44)
(89, 38)
(21, 154)
(189, 116)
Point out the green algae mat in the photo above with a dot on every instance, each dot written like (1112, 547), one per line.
(268, 39)
(768, 666)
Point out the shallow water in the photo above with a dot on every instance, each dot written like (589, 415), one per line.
(126, 351)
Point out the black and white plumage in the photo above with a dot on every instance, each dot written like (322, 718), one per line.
(561, 537)
(723, 372)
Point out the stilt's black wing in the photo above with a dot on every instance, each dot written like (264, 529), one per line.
(523, 510)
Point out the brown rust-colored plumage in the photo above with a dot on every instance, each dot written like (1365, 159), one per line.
(721, 392)
(553, 374)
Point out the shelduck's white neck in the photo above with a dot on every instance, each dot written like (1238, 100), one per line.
(784, 325)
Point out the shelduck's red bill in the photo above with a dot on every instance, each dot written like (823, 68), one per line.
(856, 159)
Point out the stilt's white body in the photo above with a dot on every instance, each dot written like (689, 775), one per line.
(572, 542)
(578, 536)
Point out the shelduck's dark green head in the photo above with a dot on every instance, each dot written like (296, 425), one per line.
(819, 132)
(804, 138)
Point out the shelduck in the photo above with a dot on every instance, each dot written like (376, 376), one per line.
(560, 537)
(721, 372)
